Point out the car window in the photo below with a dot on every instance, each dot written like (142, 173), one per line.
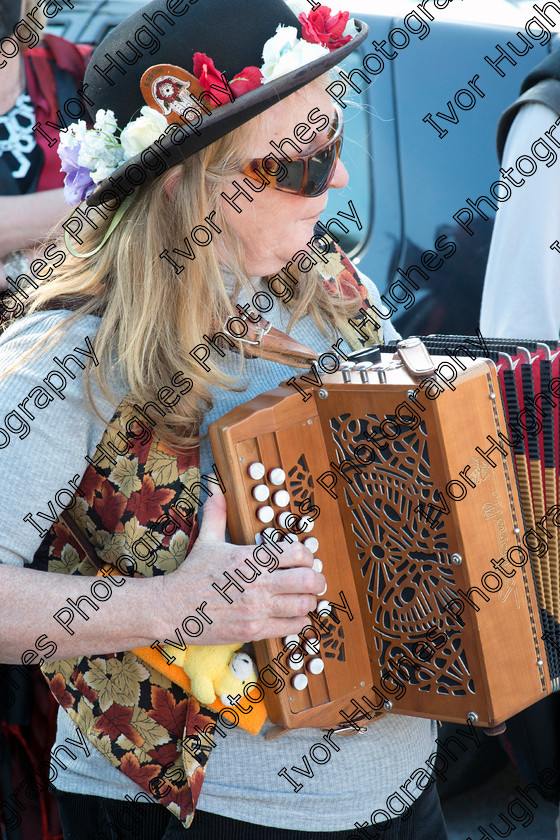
(357, 158)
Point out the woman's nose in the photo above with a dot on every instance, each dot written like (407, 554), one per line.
(340, 178)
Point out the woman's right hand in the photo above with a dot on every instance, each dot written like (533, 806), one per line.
(275, 603)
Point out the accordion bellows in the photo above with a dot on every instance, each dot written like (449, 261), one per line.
(443, 597)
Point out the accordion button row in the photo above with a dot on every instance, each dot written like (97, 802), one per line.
(257, 472)
(311, 645)
(281, 498)
(296, 660)
(314, 666)
(286, 519)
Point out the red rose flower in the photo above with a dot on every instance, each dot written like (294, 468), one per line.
(320, 26)
(249, 79)
(208, 76)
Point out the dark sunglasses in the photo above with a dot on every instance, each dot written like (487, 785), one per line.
(309, 175)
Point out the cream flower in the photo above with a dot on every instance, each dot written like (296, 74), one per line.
(141, 132)
(284, 52)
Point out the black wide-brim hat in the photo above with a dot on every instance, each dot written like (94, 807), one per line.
(230, 32)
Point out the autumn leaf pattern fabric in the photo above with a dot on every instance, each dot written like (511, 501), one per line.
(133, 714)
(341, 278)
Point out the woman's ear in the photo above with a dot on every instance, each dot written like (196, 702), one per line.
(171, 182)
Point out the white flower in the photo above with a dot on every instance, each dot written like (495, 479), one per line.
(75, 134)
(142, 132)
(101, 153)
(284, 52)
(103, 170)
(284, 40)
(299, 6)
(105, 121)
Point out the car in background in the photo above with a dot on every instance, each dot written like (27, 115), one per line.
(412, 171)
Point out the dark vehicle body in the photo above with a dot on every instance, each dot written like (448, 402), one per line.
(409, 177)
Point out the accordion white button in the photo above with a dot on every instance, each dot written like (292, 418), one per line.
(291, 640)
(312, 544)
(272, 534)
(317, 565)
(324, 606)
(324, 590)
(312, 646)
(265, 513)
(305, 524)
(281, 498)
(260, 492)
(256, 470)
(316, 666)
(295, 661)
(277, 476)
(286, 519)
(299, 682)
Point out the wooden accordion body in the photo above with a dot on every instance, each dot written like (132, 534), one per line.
(417, 619)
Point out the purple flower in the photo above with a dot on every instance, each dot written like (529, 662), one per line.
(77, 183)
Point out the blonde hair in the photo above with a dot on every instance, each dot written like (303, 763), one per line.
(152, 316)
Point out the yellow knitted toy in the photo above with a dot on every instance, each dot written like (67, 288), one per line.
(215, 669)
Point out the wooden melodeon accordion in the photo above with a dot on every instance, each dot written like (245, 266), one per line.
(431, 607)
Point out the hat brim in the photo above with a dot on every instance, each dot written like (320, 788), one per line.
(221, 121)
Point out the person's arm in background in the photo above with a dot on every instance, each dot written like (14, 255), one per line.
(25, 220)
(521, 296)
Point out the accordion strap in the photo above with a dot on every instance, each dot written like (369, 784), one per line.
(415, 357)
(267, 342)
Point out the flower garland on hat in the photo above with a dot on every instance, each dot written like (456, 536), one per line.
(88, 156)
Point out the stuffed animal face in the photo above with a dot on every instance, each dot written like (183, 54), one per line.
(241, 671)
(241, 666)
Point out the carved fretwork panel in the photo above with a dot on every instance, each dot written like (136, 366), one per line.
(404, 562)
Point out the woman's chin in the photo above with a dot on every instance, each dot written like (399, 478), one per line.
(307, 226)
